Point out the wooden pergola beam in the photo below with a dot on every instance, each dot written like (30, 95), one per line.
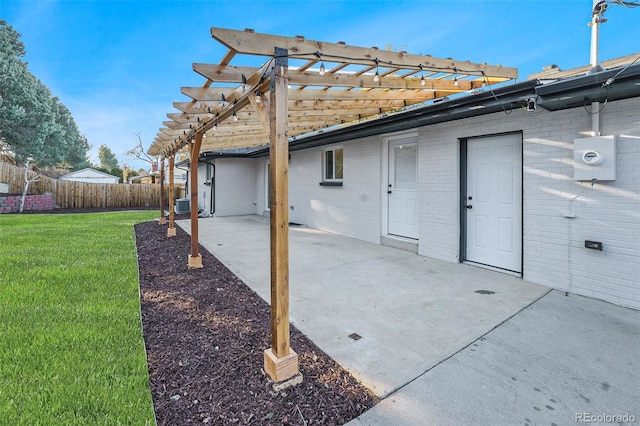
(345, 105)
(223, 73)
(350, 95)
(174, 125)
(229, 74)
(185, 118)
(207, 93)
(367, 81)
(252, 43)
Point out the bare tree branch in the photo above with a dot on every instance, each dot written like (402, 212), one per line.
(27, 182)
(139, 152)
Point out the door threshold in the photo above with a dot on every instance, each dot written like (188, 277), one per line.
(493, 268)
(401, 243)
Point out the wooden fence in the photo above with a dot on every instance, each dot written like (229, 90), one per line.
(80, 195)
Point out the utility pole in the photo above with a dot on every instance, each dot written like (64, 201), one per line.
(599, 7)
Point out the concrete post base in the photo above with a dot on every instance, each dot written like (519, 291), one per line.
(195, 262)
(162, 221)
(283, 368)
(172, 232)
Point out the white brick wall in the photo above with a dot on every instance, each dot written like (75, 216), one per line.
(352, 209)
(554, 252)
(235, 186)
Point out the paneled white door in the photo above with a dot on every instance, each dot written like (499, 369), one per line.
(403, 188)
(494, 202)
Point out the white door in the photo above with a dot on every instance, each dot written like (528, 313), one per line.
(494, 202)
(403, 188)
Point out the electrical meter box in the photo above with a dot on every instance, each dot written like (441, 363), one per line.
(594, 158)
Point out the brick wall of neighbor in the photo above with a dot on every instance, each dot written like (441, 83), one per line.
(554, 252)
(11, 203)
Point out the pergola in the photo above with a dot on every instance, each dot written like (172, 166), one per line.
(303, 86)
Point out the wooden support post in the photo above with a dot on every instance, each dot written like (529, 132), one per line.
(195, 258)
(171, 231)
(163, 219)
(280, 362)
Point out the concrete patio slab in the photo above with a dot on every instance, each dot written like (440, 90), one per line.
(563, 360)
(411, 312)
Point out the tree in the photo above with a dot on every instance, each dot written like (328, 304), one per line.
(25, 105)
(128, 173)
(107, 158)
(33, 123)
(75, 146)
(25, 111)
(139, 153)
(27, 182)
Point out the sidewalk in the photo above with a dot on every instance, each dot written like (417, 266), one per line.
(564, 360)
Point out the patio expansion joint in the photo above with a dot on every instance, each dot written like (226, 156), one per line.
(397, 389)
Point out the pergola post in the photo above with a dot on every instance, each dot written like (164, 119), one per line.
(171, 231)
(195, 258)
(280, 361)
(162, 220)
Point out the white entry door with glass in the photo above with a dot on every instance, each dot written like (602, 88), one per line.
(403, 188)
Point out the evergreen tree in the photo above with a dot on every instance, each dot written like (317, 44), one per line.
(108, 160)
(33, 124)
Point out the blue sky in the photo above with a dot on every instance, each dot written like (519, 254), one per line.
(119, 65)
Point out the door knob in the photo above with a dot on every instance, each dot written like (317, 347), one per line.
(388, 192)
(469, 207)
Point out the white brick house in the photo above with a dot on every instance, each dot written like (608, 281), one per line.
(478, 179)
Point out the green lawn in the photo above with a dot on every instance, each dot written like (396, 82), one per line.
(71, 348)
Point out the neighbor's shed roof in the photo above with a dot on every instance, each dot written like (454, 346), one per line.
(330, 84)
(88, 173)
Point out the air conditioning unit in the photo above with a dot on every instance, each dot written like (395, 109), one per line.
(183, 206)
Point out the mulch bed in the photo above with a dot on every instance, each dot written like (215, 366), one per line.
(205, 332)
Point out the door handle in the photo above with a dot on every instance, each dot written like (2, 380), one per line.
(389, 192)
(469, 206)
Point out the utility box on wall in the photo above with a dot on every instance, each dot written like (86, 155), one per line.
(594, 158)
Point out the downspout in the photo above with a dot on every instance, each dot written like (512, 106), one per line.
(212, 203)
(212, 208)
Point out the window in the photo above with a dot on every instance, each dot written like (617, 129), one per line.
(333, 165)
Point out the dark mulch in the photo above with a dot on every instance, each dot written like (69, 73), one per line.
(205, 332)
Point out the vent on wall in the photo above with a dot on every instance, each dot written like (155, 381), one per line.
(183, 206)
